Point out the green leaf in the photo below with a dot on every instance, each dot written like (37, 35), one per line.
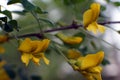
(84, 50)
(47, 21)
(107, 1)
(80, 34)
(27, 5)
(56, 49)
(103, 8)
(40, 11)
(13, 2)
(30, 7)
(0, 23)
(67, 2)
(7, 13)
(105, 62)
(72, 2)
(14, 24)
(4, 19)
(7, 27)
(76, 1)
(93, 44)
(116, 4)
(20, 12)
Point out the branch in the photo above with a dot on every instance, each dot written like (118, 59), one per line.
(74, 25)
(37, 19)
(109, 22)
(29, 35)
(39, 35)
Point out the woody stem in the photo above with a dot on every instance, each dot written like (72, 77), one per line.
(72, 26)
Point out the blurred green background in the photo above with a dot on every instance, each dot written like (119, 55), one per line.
(64, 12)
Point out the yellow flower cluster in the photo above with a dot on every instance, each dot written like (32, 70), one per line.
(3, 38)
(69, 39)
(87, 65)
(90, 19)
(33, 50)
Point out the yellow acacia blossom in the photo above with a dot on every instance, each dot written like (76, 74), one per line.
(69, 39)
(3, 73)
(90, 19)
(88, 65)
(3, 38)
(73, 54)
(33, 50)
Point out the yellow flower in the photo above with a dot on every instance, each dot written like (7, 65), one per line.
(33, 50)
(88, 66)
(2, 63)
(2, 50)
(73, 54)
(94, 60)
(90, 19)
(69, 39)
(3, 38)
(92, 73)
(3, 73)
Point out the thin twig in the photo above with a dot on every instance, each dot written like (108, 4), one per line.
(38, 21)
(57, 48)
(39, 35)
(101, 40)
(72, 26)
(109, 22)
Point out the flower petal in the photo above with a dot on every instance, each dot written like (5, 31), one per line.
(26, 58)
(97, 76)
(45, 59)
(46, 43)
(87, 75)
(73, 40)
(2, 63)
(36, 60)
(73, 54)
(92, 27)
(87, 17)
(34, 45)
(42, 45)
(4, 75)
(3, 38)
(37, 45)
(2, 50)
(95, 7)
(101, 28)
(91, 15)
(92, 60)
(96, 69)
(69, 39)
(25, 46)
